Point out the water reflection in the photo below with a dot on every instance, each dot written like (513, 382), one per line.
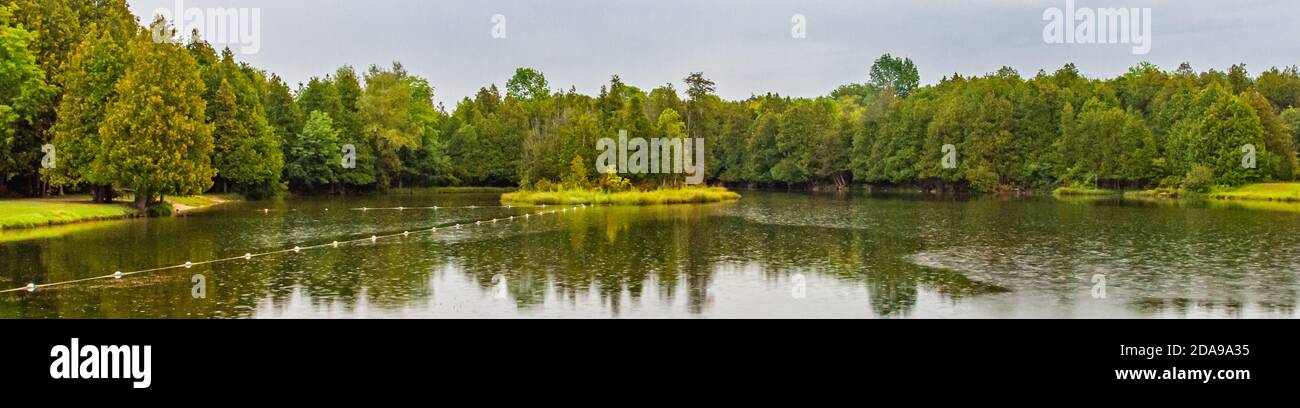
(769, 255)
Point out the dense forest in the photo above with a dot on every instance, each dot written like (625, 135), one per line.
(125, 111)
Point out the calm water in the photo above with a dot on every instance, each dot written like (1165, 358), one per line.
(769, 255)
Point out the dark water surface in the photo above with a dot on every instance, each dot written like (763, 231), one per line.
(768, 255)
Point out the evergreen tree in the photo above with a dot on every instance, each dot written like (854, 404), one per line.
(156, 140)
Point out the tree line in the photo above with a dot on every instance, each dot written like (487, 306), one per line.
(126, 111)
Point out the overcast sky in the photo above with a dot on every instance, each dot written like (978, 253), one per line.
(746, 46)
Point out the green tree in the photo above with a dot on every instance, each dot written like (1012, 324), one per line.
(899, 74)
(247, 153)
(1278, 136)
(315, 154)
(282, 112)
(1291, 118)
(347, 85)
(155, 136)
(23, 97)
(576, 176)
(1281, 87)
(528, 84)
(89, 77)
(1216, 137)
(396, 111)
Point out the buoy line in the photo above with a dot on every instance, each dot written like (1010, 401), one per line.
(32, 287)
(436, 207)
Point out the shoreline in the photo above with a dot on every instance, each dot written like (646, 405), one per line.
(40, 213)
(689, 195)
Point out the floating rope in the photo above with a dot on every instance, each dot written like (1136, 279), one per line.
(32, 287)
(470, 207)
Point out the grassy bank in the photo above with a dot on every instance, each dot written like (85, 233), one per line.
(1286, 192)
(38, 212)
(684, 195)
(1083, 191)
(30, 213)
(1279, 192)
(199, 202)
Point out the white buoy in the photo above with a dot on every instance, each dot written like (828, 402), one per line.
(189, 264)
(296, 249)
(117, 275)
(31, 287)
(335, 244)
(401, 208)
(373, 238)
(248, 256)
(406, 233)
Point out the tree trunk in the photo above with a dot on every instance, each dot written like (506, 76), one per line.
(142, 200)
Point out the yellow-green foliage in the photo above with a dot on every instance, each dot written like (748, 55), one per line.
(683, 195)
(35, 213)
(1261, 192)
(1083, 191)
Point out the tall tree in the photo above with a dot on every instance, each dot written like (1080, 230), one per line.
(89, 77)
(155, 136)
(1277, 136)
(899, 74)
(528, 84)
(24, 95)
(247, 152)
(314, 155)
(396, 110)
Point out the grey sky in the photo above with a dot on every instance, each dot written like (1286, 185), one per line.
(745, 46)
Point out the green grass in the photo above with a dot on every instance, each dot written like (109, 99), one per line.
(32, 213)
(450, 190)
(684, 195)
(1083, 191)
(1287, 192)
(189, 203)
(199, 202)
(1154, 193)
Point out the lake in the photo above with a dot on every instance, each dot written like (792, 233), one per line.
(769, 255)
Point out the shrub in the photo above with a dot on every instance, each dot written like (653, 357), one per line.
(544, 185)
(160, 209)
(611, 182)
(1199, 179)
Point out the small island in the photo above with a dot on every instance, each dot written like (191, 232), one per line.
(612, 189)
(663, 195)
